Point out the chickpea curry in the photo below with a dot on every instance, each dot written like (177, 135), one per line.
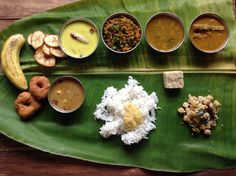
(200, 113)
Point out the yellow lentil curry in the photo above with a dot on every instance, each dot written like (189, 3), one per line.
(66, 95)
(164, 32)
(132, 117)
(208, 33)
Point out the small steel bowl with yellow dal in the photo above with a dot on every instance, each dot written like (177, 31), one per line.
(79, 37)
(165, 32)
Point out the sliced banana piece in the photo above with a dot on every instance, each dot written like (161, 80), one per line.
(57, 52)
(43, 60)
(29, 39)
(46, 50)
(52, 40)
(37, 39)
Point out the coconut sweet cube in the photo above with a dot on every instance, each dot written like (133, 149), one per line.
(173, 79)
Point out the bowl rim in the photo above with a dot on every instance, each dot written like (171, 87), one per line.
(214, 15)
(174, 16)
(71, 20)
(128, 15)
(55, 81)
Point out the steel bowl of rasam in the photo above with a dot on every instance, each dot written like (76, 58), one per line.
(121, 32)
(164, 32)
(66, 94)
(79, 37)
(209, 33)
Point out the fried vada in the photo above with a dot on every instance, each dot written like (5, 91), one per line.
(39, 86)
(26, 105)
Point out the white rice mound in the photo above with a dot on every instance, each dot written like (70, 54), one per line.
(111, 110)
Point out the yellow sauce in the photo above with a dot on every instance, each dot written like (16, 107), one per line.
(164, 32)
(76, 48)
(132, 116)
(66, 95)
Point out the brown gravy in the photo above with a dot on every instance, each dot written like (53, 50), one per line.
(208, 33)
(66, 95)
(164, 32)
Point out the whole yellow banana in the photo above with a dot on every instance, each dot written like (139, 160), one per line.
(10, 60)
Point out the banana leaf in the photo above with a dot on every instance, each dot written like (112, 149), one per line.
(170, 147)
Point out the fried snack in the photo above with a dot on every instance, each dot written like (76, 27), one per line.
(46, 50)
(52, 40)
(57, 52)
(44, 60)
(26, 106)
(37, 39)
(39, 86)
(29, 39)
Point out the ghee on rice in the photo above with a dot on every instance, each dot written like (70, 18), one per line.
(113, 110)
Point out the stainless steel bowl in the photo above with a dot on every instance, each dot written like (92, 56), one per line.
(172, 16)
(133, 18)
(56, 81)
(71, 21)
(207, 14)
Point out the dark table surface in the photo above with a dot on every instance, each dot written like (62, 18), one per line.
(17, 159)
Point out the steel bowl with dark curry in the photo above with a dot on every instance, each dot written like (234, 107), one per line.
(209, 33)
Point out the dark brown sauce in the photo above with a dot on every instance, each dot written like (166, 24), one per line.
(208, 33)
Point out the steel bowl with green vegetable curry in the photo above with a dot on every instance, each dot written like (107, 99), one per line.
(121, 32)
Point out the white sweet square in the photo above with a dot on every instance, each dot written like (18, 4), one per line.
(173, 79)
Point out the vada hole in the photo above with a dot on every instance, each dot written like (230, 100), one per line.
(40, 84)
(27, 103)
